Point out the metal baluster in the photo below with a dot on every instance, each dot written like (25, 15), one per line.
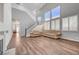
(25, 32)
(2, 48)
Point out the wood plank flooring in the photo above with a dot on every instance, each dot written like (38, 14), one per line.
(43, 46)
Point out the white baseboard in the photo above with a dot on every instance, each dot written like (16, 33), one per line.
(71, 39)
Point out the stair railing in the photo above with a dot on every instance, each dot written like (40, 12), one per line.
(26, 29)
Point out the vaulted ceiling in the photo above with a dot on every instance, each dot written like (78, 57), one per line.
(29, 8)
(66, 9)
(33, 6)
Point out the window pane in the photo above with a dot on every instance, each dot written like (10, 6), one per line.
(47, 16)
(47, 26)
(55, 12)
(65, 24)
(53, 25)
(57, 22)
(73, 23)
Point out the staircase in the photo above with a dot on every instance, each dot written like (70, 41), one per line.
(39, 31)
(28, 30)
(33, 30)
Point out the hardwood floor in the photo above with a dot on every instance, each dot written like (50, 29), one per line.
(43, 46)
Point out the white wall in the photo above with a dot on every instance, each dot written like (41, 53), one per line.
(1, 12)
(1, 17)
(8, 25)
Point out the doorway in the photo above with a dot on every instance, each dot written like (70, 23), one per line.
(16, 26)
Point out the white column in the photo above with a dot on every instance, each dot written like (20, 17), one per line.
(8, 25)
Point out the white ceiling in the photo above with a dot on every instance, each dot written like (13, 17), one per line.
(70, 9)
(29, 8)
(33, 6)
(66, 8)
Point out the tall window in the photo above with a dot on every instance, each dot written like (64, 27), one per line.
(57, 22)
(53, 25)
(47, 26)
(55, 12)
(47, 16)
(73, 24)
(65, 24)
(70, 23)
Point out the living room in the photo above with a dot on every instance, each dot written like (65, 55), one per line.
(40, 28)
